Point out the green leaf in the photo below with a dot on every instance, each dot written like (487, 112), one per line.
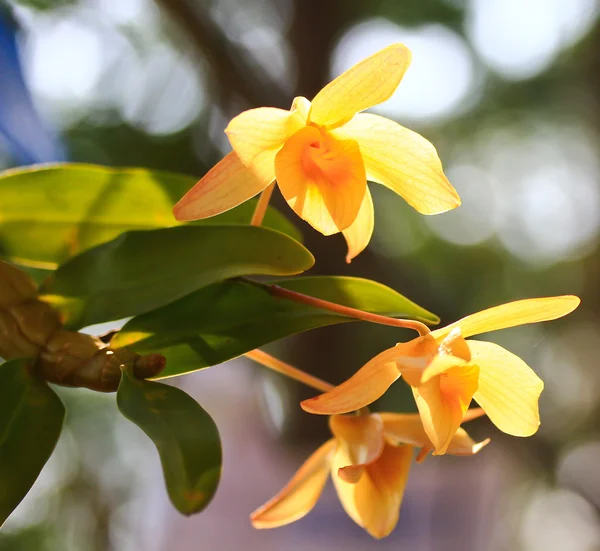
(31, 418)
(52, 212)
(185, 436)
(227, 319)
(143, 270)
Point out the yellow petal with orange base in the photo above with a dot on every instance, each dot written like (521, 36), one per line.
(228, 184)
(322, 179)
(365, 386)
(257, 130)
(300, 494)
(442, 402)
(362, 436)
(512, 314)
(359, 233)
(374, 501)
(368, 83)
(509, 390)
(403, 161)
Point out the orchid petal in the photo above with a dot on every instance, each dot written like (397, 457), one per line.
(322, 179)
(300, 494)
(414, 356)
(359, 233)
(226, 185)
(512, 314)
(442, 402)
(374, 501)
(364, 387)
(257, 130)
(362, 435)
(463, 444)
(509, 389)
(369, 83)
(403, 161)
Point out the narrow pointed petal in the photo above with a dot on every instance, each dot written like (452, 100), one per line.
(228, 184)
(403, 161)
(374, 501)
(322, 179)
(512, 314)
(463, 444)
(257, 130)
(300, 494)
(443, 401)
(359, 233)
(509, 390)
(368, 83)
(367, 385)
(362, 435)
(473, 413)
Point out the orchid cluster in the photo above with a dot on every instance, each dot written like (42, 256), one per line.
(321, 155)
(106, 244)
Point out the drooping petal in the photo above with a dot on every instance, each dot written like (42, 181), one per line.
(300, 494)
(359, 233)
(257, 130)
(509, 390)
(512, 314)
(368, 83)
(364, 387)
(403, 161)
(322, 179)
(226, 185)
(374, 501)
(442, 402)
(362, 435)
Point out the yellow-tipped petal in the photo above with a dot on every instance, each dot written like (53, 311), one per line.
(509, 390)
(226, 185)
(257, 130)
(322, 179)
(512, 314)
(443, 401)
(403, 161)
(300, 494)
(362, 436)
(359, 233)
(463, 444)
(364, 387)
(368, 83)
(374, 501)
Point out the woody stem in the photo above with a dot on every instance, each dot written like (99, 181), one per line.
(347, 311)
(289, 371)
(261, 206)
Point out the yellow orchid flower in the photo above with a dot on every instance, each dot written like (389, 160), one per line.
(445, 372)
(369, 460)
(322, 154)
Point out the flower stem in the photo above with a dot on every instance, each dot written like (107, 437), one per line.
(347, 311)
(261, 206)
(289, 371)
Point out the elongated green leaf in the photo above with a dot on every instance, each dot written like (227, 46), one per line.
(230, 318)
(52, 212)
(185, 436)
(142, 270)
(31, 418)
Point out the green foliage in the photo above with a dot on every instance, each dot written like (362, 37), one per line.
(185, 436)
(54, 212)
(142, 270)
(31, 418)
(229, 318)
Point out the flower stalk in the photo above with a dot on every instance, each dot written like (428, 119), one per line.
(261, 207)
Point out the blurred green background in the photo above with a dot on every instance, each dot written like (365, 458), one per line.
(509, 93)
